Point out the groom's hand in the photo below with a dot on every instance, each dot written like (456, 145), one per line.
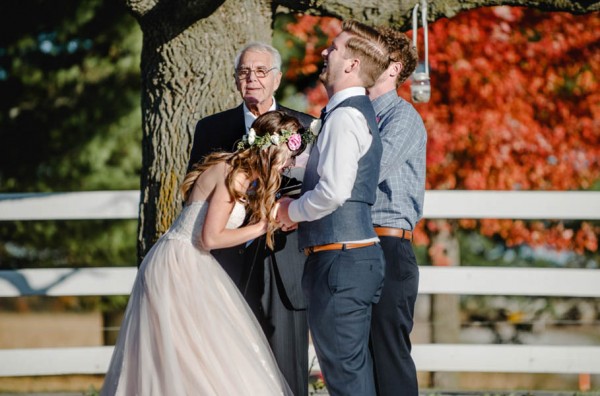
(287, 228)
(283, 215)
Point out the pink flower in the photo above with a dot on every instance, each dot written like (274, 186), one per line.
(294, 142)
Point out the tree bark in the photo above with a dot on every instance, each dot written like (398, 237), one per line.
(187, 66)
(187, 74)
(398, 13)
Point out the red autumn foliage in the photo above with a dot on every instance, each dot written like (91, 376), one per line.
(515, 105)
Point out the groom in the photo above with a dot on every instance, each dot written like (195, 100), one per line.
(344, 270)
(270, 281)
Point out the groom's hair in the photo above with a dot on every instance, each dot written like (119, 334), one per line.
(368, 45)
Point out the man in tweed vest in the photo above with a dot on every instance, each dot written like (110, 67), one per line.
(344, 270)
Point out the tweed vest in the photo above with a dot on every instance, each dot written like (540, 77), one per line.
(352, 220)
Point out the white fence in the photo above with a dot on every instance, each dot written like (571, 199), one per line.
(433, 280)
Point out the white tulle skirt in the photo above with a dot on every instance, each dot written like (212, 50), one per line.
(188, 331)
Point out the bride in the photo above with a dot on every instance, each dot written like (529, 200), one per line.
(187, 330)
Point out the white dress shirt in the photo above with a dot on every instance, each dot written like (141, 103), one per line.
(249, 117)
(342, 142)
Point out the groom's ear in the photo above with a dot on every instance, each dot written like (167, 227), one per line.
(353, 66)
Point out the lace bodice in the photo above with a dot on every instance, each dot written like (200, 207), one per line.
(188, 225)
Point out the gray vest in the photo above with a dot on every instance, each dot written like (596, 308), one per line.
(352, 220)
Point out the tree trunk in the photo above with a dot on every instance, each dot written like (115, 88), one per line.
(398, 13)
(187, 74)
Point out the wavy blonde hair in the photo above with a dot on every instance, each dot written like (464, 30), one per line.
(263, 165)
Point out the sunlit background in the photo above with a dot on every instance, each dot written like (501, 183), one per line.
(515, 105)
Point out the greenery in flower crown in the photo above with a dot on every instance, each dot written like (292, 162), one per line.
(292, 139)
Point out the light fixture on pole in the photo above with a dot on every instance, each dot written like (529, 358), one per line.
(420, 88)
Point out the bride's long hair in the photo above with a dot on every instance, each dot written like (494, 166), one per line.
(261, 164)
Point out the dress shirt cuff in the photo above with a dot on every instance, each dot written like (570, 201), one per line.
(294, 211)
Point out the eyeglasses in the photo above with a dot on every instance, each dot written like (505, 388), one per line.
(261, 72)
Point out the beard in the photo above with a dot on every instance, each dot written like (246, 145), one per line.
(324, 76)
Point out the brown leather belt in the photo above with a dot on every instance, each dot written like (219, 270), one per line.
(394, 232)
(336, 246)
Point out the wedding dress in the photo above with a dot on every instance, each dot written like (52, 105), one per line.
(187, 329)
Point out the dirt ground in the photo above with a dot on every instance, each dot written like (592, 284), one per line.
(42, 330)
(36, 330)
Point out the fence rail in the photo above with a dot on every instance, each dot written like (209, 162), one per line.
(553, 205)
(107, 281)
(433, 280)
(427, 357)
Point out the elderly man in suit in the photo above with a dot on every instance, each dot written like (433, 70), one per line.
(269, 280)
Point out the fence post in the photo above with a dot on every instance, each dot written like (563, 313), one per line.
(445, 308)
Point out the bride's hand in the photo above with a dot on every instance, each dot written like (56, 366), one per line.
(273, 216)
(264, 226)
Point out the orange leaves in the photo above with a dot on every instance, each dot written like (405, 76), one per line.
(508, 78)
(438, 256)
(515, 105)
(314, 32)
(587, 238)
(316, 98)
(555, 234)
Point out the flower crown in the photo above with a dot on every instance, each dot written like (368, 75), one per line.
(292, 139)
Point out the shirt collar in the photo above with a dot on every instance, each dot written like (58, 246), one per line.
(383, 101)
(249, 117)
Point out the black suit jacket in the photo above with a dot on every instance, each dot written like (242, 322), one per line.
(220, 132)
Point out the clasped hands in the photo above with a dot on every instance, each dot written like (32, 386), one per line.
(282, 216)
